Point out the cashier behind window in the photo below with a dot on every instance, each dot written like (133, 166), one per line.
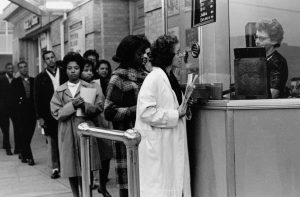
(269, 34)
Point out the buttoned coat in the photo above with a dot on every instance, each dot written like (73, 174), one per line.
(163, 155)
(68, 140)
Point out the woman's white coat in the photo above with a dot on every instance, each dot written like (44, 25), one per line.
(163, 155)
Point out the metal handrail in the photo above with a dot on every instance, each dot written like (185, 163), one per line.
(131, 139)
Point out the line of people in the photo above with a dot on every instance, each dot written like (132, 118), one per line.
(26, 100)
(17, 104)
(135, 94)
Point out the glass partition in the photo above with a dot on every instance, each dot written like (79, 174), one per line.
(244, 14)
(235, 27)
(179, 24)
(213, 65)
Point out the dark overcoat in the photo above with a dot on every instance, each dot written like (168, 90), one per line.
(43, 92)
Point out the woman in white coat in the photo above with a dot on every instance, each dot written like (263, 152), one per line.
(160, 118)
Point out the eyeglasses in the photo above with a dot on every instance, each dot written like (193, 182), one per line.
(260, 38)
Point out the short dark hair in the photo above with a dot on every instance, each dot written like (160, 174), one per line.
(46, 52)
(22, 62)
(128, 47)
(162, 51)
(103, 61)
(8, 64)
(73, 57)
(92, 52)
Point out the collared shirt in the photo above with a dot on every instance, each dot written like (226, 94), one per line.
(9, 78)
(26, 85)
(73, 87)
(54, 78)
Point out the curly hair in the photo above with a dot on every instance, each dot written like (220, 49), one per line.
(162, 51)
(273, 28)
(128, 47)
(91, 52)
(87, 62)
(73, 57)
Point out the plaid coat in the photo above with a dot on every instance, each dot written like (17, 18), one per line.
(120, 108)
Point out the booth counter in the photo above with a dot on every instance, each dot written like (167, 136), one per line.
(245, 148)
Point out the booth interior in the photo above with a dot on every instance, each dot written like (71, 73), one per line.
(241, 141)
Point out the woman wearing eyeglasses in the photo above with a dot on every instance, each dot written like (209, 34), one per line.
(160, 118)
(269, 34)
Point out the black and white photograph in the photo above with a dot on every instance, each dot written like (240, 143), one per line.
(149, 98)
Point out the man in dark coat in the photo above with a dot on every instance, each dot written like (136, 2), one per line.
(45, 84)
(6, 108)
(22, 92)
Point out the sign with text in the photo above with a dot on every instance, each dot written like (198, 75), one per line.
(77, 37)
(31, 22)
(203, 12)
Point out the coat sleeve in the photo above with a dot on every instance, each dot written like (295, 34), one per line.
(148, 109)
(95, 109)
(58, 110)
(37, 97)
(112, 107)
(15, 93)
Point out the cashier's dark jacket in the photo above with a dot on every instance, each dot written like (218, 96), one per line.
(277, 72)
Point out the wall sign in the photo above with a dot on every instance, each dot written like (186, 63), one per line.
(31, 22)
(173, 7)
(77, 36)
(43, 41)
(203, 12)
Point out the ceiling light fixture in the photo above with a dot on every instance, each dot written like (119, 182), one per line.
(59, 5)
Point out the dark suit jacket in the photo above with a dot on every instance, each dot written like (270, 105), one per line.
(22, 104)
(6, 102)
(43, 92)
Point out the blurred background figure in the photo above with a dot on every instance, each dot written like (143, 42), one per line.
(104, 73)
(7, 110)
(93, 56)
(22, 89)
(105, 146)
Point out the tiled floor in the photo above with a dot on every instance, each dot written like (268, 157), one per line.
(20, 180)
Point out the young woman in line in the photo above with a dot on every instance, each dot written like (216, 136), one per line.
(64, 104)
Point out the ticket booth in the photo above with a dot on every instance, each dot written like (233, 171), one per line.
(239, 146)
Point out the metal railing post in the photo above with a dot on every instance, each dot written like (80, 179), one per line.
(85, 164)
(131, 139)
(133, 171)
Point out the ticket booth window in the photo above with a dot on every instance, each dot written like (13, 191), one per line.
(234, 27)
